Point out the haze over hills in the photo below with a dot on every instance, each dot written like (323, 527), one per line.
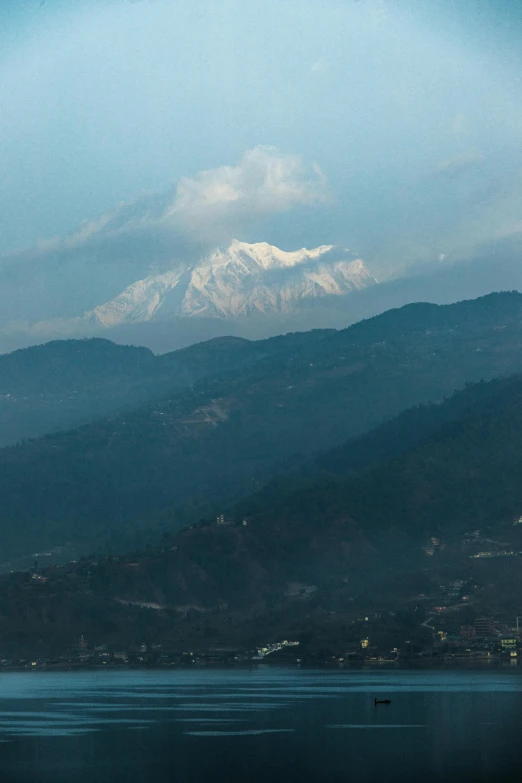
(250, 290)
(253, 291)
(236, 283)
(437, 469)
(66, 383)
(123, 479)
(260, 368)
(444, 484)
(312, 555)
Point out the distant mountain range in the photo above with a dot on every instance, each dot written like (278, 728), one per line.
(250, 290)
(236, 415)
(245, 290)
(235, 284)
(242, 280)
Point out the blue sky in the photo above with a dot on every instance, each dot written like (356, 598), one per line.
(411, 110)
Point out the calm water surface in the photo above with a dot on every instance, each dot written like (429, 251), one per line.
(261, 725)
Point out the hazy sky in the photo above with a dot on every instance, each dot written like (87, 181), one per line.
(391, 126)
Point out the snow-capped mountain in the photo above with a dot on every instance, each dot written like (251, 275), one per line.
(239, 281)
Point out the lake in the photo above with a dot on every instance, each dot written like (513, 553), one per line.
(267, 724)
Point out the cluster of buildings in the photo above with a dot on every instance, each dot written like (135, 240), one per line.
(488, 546)
(480, 545)
(262, 652)
(81, 655)
(485, 638)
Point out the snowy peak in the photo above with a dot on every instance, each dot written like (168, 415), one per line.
(265, 256)
(241, 280)
(138, 303)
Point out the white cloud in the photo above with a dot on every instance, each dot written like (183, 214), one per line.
(208, 208)
(264, 182)
(63, 276)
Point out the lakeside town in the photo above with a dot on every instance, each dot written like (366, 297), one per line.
(459, 612)
(486, 640)
(479, 643)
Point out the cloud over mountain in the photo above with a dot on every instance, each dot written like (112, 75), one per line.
(264, 182)
(63, 276)
(210, 207)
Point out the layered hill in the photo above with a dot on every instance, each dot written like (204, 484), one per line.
(179, 300)
(66, 383)
(450, 468)
(250, 290)
(434, 470)
(309, 560)
(197, 450)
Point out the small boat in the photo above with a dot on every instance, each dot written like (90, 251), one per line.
(382, 701)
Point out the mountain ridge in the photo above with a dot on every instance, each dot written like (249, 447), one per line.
(56, 310)
(236, 282)
(194, 450)
(308, 565)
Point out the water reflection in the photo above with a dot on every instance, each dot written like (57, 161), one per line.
(239, 726)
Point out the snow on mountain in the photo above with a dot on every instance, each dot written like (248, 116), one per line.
(139, 302)
(241, 280)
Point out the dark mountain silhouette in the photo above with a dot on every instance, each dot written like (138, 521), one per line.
(66, 383)
(260, 409)
(308, 558)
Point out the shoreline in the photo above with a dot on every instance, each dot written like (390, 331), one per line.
(479, 665)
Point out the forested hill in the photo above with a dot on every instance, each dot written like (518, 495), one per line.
(343, 538)
(466, 474)
(66, 383)
(434, 470)
(384, 443)
(261, 407)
